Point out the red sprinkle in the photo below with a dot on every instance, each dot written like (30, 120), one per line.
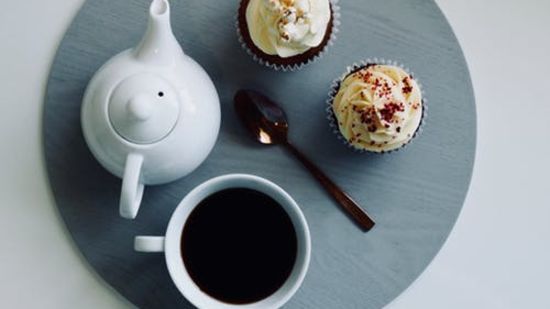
(390, 109)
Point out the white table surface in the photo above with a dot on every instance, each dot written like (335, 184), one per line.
(498, 255)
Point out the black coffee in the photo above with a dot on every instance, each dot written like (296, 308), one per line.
(239, 245)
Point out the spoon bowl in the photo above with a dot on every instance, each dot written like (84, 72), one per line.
(262, 117)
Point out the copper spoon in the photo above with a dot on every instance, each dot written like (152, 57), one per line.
(267, 122)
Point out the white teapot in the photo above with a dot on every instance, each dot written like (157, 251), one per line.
(151, 114)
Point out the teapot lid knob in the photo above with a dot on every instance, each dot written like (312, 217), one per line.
(140, 107)
(143, 108)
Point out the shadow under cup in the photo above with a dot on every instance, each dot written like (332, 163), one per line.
(184, 219)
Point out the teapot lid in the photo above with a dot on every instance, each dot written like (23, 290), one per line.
(143, 108)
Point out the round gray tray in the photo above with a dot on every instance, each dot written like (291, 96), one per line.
(415, 195)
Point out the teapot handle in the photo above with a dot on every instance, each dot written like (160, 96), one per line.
(132, 188)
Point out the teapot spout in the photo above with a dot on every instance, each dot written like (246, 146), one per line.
(158, 45)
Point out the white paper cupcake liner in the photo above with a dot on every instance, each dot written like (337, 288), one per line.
(335, 86)
(294, 67)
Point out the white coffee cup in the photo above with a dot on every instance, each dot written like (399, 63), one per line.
(170, 244)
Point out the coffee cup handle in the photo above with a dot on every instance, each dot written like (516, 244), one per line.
(132, 189)
(149, 244)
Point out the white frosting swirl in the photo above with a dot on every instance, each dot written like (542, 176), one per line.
(378, 108)
(287, 27)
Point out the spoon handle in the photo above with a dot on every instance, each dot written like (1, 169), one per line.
(349, 205)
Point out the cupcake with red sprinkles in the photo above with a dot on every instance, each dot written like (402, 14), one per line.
(376, 106)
